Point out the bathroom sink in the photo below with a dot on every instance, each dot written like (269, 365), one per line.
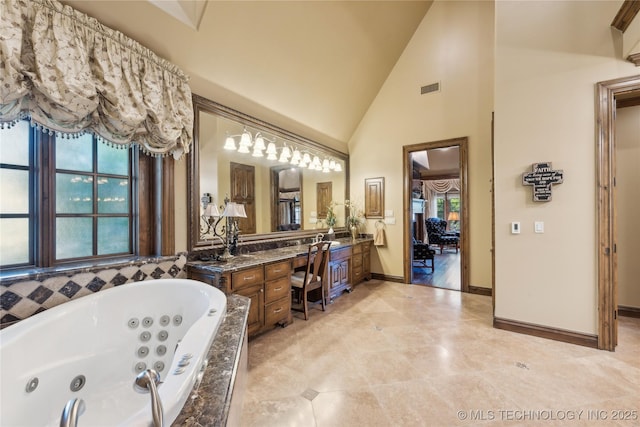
(332, 242)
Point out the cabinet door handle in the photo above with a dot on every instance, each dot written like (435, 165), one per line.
(278, 310)
(277, 289)
(277, 270)
(250, 277)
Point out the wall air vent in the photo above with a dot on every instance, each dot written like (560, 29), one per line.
(433, 87)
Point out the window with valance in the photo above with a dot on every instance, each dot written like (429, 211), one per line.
(81, 85)
(69, 73)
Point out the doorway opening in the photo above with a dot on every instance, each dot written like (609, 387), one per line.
(610, 96)
(436, 232)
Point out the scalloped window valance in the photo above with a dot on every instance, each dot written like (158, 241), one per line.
(71, 74)
(442, 185)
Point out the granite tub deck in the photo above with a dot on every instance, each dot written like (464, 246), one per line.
(252, 259)
(218, 399)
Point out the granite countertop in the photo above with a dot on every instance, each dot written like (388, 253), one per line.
(253, 259)
(209, 404)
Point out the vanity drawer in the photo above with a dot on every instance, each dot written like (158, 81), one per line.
(357, 249)
(300, 261)
(248, 277)
(342, 253)
(357, 274)
(277, 311)
(276, 289)
(276, 270)
(357, 261)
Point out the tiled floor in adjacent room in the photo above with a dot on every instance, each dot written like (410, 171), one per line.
(390, 354)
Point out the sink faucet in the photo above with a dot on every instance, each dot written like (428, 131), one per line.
(147, 381)
(72, 410)
(318, 238)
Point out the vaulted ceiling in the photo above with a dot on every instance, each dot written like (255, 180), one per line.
(313, 67)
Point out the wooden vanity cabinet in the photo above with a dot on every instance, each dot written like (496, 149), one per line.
(250, 283)
(339, 271)
(268, 287)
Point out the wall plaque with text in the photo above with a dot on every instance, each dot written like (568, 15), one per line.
(542, 178)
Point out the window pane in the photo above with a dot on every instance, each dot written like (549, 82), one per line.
(14, 149)
(74, 193)
(75, 153)
(113, 195)
(14, 241)
(113, 160)
(113, 236)
(14, 191)
(74, 237)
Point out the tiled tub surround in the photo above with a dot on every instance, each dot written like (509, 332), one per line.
(24, 296)
(93, 349)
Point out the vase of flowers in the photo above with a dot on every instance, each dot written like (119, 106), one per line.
(331, 219)
(354, 220)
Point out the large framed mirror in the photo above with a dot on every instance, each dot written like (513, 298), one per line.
(255, 164)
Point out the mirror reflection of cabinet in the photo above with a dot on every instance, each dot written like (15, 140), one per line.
(209, 171)
(243, 191)
(324, 196)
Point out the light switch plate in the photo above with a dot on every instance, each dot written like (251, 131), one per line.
(390, 220)
(538, 226)
(313, 220)
(388, 212)
(515, 227)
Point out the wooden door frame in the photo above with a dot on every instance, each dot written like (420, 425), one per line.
(606, 93)
(462, 144)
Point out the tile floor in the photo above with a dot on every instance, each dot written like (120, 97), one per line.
(390, 354)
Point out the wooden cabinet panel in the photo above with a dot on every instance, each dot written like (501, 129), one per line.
(248, 277)
(374, 197)
(255, 320)
(366, 262)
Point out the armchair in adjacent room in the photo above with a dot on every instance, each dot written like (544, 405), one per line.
(438, 235)
(422, 252)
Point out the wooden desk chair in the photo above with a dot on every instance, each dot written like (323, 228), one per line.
(313, 277)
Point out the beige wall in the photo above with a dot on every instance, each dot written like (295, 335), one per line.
(547, 62)
(452, 45)
(628, 204)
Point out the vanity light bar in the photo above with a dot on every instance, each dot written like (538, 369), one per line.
(295, 157)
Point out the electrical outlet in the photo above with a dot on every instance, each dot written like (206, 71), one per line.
(538, 226)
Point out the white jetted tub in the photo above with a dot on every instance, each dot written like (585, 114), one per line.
(93, 348)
